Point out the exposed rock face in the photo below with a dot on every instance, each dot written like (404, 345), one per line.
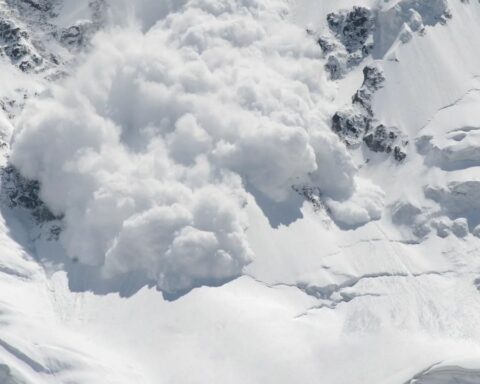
(356, 33)
(356, 123)
(349, 40)
(384, 139)
(353, 28)
(41, 45)
(381, 139)
(352, 123)
(31, 40)
(335, 66)
(312, 194)
(23, 193)
(16, 46)
(28, 5)
(398, 154)
(372, 81)
(350, 126)
(30, 22)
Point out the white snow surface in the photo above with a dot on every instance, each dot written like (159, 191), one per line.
(170, 150)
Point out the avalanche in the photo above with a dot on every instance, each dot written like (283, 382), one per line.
(239, 191)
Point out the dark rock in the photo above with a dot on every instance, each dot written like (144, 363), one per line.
(27, 6)
(373, 78)
(363, 98)
(335, 67)
(17, 51)
(398, 154)
(384, 139)
(336, 21)
(312, 195)
(353, 28)
(349, 42)
(350, 126)
(367, 49)
(380, 140)
(39, 5)
(23, 193)
(326, 45)
(354, 125)
(356, 33)
(16, 47)
(9, 31)
(354, 59)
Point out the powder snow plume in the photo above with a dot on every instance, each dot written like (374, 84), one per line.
(162, 127)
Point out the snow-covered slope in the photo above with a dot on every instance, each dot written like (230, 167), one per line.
(240, 191)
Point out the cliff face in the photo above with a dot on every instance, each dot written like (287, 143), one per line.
(242, 191)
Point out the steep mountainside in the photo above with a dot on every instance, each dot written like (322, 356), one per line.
(240, 191)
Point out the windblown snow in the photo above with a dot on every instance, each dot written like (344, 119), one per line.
(240, 191)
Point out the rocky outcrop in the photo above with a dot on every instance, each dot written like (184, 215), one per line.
(385, 139)
(352, 28)
(42, 45)
(356, 33)
(41, 6)
(348, 41)
(16, 45)
(31, 41)
(350, 125)
(311, 194)
(20, 192)
(356, 124)
(353, 122)
(373, 80)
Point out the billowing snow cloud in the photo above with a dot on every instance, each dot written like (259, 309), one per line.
(147, 148)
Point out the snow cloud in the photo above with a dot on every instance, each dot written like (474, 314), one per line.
(147, 148)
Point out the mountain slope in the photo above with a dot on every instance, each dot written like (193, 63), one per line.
(240, 191)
